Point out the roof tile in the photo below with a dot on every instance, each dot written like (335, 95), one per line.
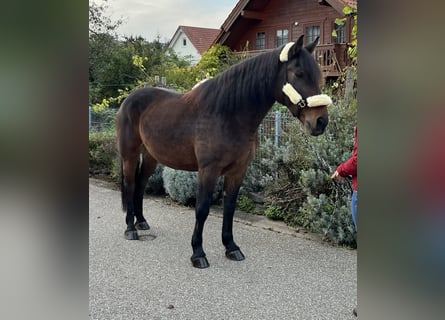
(202, 38)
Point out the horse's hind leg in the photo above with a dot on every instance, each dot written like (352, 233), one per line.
(146, 169)
(232, 185)
(129, 174)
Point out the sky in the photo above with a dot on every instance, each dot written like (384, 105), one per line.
(150, 18)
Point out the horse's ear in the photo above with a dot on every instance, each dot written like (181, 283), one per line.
(299, 43)
(311, 47)
(291, 49)
(295, 49)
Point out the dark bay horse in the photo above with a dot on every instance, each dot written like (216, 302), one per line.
(212, 129)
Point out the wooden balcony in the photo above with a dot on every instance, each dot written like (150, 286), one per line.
(332, 58)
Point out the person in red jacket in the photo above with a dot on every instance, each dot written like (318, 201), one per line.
(349, 168)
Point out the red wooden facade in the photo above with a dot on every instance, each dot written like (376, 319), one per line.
(259, 25)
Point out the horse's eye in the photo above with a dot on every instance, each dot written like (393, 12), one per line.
(299, 73)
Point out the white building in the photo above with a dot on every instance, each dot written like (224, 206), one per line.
(191, 42)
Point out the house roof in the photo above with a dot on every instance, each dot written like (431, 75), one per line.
(259, 5)
(201, 38)
(340, 4)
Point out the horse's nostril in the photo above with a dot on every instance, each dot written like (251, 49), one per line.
(322, 122)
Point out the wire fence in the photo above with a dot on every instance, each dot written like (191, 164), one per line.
(272, 128)
(101, 121)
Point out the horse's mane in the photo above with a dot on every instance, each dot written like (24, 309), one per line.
(245, 84)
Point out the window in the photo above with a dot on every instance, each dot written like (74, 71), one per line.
(184, 42)
(282, 37)
(312, 32)
(341, 33)
(260, 41)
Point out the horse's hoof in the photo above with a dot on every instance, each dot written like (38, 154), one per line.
(142, 225)
(235, 255)
(131, 235)
(200, 262)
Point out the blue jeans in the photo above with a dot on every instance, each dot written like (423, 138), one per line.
(354, 200)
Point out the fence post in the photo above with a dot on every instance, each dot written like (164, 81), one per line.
(277, 128)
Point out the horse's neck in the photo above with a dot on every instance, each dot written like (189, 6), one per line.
(240, 93)
(259, 113)
(264, 88)
(256, 110)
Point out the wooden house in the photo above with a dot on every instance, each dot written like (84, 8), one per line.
(255, 26)
(191, 42)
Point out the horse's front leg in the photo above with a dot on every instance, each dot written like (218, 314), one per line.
(206, 184)
(231, 188)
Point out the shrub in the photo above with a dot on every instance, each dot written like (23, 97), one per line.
(102, 152)
(303, 189)
(181, 186)
(246, 204)
(155, 183)
(274, 213)
(331, 218)
(263, 170)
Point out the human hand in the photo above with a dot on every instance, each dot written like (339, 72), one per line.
(335, 176)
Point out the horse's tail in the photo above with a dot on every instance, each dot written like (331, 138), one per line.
(123, 190)
(128, 138)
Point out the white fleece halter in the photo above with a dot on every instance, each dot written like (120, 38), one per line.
(284, 55)
(293, 95)
(313, 101)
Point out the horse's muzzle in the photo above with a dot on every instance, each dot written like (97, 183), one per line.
(319, 126)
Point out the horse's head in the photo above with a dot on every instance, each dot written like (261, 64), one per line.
(299, 86)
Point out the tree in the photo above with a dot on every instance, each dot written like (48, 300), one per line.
(215, 60)
(155, 59)
(117, 67)
(102, 42)
(111, 67)
(350, 77)
(99, 23)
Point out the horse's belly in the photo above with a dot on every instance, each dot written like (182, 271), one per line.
(169, 140)
(179, 155)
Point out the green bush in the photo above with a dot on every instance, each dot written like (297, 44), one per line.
(263, 170)
(181, 186)
(103, 158)
(274, 213)
(303, 189)
(104, 161)
(331, 218)
(246, 204)
(155, 183)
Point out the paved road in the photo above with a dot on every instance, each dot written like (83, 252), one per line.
(284, 276)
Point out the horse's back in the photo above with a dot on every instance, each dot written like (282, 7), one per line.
(129, 116)
(141, 99)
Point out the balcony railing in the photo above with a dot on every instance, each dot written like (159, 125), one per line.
(332, 58)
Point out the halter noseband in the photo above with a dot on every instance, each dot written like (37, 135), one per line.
(292, 93)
